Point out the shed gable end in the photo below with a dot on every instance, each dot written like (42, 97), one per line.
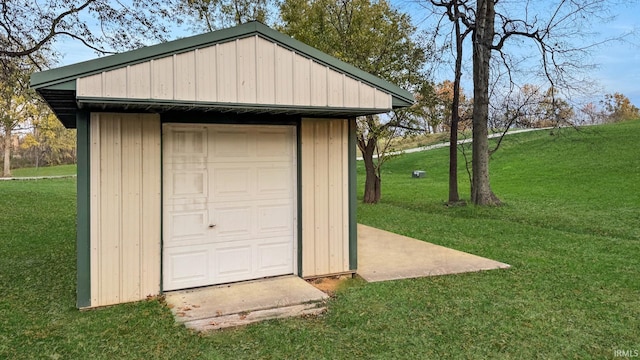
(251, 70)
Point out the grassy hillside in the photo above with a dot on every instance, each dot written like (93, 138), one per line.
(568, 179)
(569, 228)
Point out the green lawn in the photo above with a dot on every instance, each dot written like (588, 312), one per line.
(570, 227)
(59, 170)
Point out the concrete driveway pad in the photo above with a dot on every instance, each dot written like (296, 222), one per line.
(383, 256)
(221, 306)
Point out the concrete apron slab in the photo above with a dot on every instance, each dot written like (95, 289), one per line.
(383, 256)
(222, 306)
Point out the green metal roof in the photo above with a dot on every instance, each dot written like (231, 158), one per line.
(57, 86)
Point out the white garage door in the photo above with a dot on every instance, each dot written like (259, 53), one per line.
(228, 203)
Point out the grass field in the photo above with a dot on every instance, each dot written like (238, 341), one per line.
(570, 227)
(59, 170)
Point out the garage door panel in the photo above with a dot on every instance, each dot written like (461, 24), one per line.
(275, 218)
(186, 268)
(274, 144)
(239, 182)
(232, 222)
(274, 256)
(234, 218)
(188, 184)
(275, 179)
(233, 262)
(232, 181)
(231, 144)
(187, 141)
(188, 224)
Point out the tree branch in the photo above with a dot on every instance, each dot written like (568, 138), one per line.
(51, 34)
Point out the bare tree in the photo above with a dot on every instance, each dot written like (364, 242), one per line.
(456, 12)
(28, 27)
(483, 35)
(561, 33)
(592, 113)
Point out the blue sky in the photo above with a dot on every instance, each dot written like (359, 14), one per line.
(618, 63)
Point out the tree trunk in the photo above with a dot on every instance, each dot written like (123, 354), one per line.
(6, 172)
(454, 196)
(481, 193)
(372, 189)
(37, 151)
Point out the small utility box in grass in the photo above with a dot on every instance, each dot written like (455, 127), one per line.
(418, 174)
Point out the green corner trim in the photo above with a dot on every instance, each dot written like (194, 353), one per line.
(83, 235)
(161, 285)
(353, 205)
(299, 192)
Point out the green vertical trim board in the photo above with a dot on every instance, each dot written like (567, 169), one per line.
(299, 190)
(353, 221)
(83, 235)
(161, 204)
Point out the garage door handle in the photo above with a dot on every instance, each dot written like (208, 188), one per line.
(211, 226)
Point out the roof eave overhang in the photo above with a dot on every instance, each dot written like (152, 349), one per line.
(115, 104)
(65, 105)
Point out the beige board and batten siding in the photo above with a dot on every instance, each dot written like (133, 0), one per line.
(325, 196)
(125, 190)
(250, 70)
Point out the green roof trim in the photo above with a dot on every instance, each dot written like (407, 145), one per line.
(64, 77)
(101, 103)
(68, 85)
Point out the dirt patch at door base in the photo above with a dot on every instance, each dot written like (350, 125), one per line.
(330, 284)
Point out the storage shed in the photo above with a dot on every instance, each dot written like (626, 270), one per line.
(217, 158)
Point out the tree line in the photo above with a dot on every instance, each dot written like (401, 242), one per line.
(31, 134)
(372, 35)
(528, 106)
